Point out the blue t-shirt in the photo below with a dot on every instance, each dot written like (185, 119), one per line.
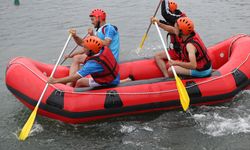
(91, 67)
(113, 35)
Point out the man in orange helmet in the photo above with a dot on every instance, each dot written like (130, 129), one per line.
(192, 58)
(170, 12)
(100, 64)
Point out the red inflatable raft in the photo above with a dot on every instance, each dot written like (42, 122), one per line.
(149, 92)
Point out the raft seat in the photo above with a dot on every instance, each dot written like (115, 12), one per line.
(139, 82)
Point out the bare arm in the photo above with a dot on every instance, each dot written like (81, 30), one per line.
(64, 80)
(106, 42)
(78, 40)
(192, 64)
(80, 51)
(165, 27)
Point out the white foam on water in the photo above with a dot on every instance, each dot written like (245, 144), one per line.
(127, 129)
(128, 142)
(215, 125)
(139, 144)
(148, 129)
(37, 128)
(138, 50)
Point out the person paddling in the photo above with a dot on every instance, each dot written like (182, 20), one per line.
(105, 31)
(99, 63)
(170, 13)
(192, 58)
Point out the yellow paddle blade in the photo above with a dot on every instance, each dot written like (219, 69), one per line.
(143, 40)
(27, 127)
(184, 98)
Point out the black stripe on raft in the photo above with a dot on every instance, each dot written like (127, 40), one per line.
(173, 103)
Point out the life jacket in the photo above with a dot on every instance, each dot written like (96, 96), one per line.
(202, 58)
(107, 61)
(174, 43)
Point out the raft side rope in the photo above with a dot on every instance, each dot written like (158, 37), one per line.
(141, 93)
(233, 41)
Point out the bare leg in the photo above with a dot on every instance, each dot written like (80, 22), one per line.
(179, 70)
(83, 82)
(125, 80)
(159, 58)
(75, 66)
(129, 78)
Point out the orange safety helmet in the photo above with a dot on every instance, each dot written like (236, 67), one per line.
(98, 13)
(93, 44)
(172, 5)
(185, 25)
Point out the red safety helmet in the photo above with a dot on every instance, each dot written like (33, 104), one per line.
(185, 25)
(172, 5)
(93, 43)
(98, 13)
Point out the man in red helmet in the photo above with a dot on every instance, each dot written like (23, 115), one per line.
(100, 64)
(105, 31)
(192, 58)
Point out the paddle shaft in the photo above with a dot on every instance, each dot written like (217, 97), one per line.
(72, 50)
(165, 48)
(28, 125)
(146, 34)
(154, 16)
(44, 90)
(184, 97)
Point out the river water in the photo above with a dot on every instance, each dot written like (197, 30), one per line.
(38, 29)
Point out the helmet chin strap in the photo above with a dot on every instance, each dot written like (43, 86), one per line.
(98, 24)
(90, 53)
(180, 34)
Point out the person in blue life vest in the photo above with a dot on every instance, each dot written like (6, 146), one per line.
(99, 63)
(192, 58)
(105, 31)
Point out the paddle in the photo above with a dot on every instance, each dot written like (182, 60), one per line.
(72, 50)
(146, 34)
(28, 125)
(184, 98)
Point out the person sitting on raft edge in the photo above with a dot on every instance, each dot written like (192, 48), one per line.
(100, 64)
(191, 57)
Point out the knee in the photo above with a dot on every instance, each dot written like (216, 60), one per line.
(78, 83)
(157, 56)
(82, 83)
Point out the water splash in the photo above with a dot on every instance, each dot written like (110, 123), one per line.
(127, 129)
(148, 128)
(149, 50)
(216, 125)
(37, 128)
